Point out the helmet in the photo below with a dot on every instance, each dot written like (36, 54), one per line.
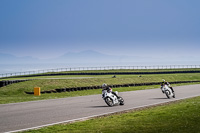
(104, 85)
(163, 80)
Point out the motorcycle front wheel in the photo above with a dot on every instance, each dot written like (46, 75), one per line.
(109, 101)
(167, 93)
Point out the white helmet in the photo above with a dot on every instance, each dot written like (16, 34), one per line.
(104, 85)
(163, 80)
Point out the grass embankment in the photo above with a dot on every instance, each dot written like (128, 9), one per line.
(179, 117)
(15, 92)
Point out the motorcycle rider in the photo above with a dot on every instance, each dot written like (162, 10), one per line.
(108, 89)
(166, 83)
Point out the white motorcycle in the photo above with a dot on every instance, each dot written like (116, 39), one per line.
(111, 99)
(168, 91)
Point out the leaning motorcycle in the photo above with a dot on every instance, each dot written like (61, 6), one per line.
(168, 91)
(111, 99)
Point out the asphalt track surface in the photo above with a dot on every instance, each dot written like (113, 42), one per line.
(30, 115)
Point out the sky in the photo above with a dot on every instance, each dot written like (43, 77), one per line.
(50, 28)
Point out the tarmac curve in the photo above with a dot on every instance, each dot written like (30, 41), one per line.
(17, 117)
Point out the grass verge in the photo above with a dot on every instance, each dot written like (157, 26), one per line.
(178, 117)
(15, 92)
(22, 97)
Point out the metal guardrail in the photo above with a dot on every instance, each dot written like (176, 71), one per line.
(98, 68)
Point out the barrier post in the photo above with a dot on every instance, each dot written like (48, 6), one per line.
(37, 91)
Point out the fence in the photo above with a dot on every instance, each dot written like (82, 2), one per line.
(98, 68)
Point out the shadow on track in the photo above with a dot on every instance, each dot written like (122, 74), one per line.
(159, 98)
(98, 106)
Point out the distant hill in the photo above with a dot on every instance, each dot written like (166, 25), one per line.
(88, 56)
(11, 59)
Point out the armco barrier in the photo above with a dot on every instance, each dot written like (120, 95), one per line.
(157, 67)
(112, 86)
(106, 73)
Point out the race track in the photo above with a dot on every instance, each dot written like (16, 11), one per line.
(28, 115)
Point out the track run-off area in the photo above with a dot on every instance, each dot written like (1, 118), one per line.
(16, 117)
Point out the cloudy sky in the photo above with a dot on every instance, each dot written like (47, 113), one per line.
(50, 28)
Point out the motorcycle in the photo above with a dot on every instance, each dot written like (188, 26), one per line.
(168, 91)
(111, 99)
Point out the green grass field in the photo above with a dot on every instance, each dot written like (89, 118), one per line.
(16, 92)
